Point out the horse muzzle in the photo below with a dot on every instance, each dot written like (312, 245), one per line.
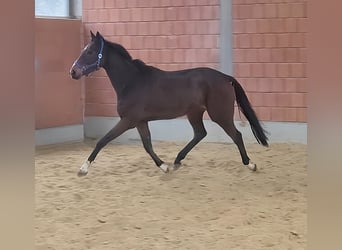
(75, 72)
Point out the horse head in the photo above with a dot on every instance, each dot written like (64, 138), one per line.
(90, 59)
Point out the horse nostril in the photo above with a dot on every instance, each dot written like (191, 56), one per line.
(74, 74)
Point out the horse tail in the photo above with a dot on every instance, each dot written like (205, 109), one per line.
(245, 106)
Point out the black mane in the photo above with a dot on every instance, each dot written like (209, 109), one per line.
(139, 64)
(120, 50)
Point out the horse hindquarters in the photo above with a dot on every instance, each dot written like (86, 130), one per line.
(220, 107)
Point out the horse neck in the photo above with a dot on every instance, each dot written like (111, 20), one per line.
(119, 70)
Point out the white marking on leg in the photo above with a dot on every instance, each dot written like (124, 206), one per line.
(252, 166)
(84, 169)
(164, 167)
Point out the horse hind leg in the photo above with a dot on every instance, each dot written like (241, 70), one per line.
(230, 129)
(196, 121)
(220, 106)
(222, 114)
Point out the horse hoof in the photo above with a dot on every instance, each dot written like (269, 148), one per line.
(81, 173)
(164, 167)
(84, 169)
(252, 166)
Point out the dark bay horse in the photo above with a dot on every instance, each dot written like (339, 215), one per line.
(145, 93)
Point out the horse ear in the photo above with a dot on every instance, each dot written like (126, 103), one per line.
(92, 35)
(98, 36)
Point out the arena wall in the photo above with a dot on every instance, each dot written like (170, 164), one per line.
(268, 46)
(270, 56)
(268, 52)
(59, 100)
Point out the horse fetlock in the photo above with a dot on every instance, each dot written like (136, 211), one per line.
(179, 158)
(176, 166)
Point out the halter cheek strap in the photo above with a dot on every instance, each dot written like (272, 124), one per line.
(99, 56)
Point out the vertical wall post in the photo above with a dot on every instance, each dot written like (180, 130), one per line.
(226, 48)
(75, 8)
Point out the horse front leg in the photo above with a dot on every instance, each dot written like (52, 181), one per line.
(145, 135)
(195, 119)
(122, 126)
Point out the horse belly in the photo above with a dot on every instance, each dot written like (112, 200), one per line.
(165, 109)
(167, 101)
(170, 106)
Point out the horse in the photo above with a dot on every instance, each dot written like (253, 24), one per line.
(146, 93)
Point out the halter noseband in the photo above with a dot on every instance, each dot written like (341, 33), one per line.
(87, 69)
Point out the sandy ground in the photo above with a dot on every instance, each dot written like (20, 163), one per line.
(211, 202)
